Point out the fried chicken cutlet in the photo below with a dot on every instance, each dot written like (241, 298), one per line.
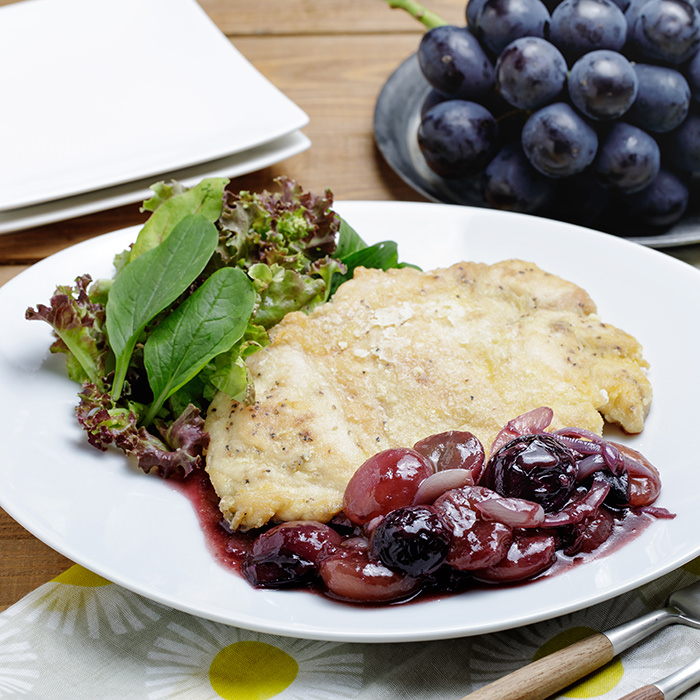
(400, 355)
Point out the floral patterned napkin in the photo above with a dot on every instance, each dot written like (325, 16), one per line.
(80, 636)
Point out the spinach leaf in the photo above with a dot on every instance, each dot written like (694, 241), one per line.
(349, 241)
(171, 206)
(151, 283)
(206, 324)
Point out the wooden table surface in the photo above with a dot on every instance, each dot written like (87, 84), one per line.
(331, 58)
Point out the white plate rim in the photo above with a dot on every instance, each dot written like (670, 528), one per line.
(59, 514)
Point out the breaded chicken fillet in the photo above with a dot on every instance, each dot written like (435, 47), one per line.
(400, 355)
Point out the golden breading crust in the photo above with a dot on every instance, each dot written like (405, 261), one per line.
(400, 355)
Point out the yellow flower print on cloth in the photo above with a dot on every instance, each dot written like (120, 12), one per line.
(203, 660)
(79, 601)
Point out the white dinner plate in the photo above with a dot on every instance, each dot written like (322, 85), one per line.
(97, 93)
(143, 534)
(139, 190)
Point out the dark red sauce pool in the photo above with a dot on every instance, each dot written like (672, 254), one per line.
(230, 548)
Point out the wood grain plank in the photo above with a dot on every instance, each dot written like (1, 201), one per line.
(239, 18)
(7, 272)
(26, 562)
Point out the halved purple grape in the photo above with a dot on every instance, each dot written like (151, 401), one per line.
(527, 557)
(476, 542)
(453, 449)
(289, 554)
(386, 481)
(350, 575)
(589, 534)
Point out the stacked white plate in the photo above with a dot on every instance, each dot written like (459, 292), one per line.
(101, 99)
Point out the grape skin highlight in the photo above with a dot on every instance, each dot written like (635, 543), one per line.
(666, 30)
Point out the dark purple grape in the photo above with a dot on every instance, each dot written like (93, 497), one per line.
(664, 30)
(289, 554)
(662, 203)
(628, 158)
(558, 142)
(692, 72)
(682, 146)
(663, 98)
(631, 14)
(533, 467)
(530, 72)
(580, 26)
(412, 540)
(501, 21)
(453, 62)
(603, 84)
(472, 14)
(510, 182)
(457, 138)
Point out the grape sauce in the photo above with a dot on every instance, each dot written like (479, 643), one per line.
(229, 548)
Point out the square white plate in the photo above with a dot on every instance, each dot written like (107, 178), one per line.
(98, 93)
(139, 190)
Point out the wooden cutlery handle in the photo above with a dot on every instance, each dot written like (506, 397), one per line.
(552, 673)
(647, 692)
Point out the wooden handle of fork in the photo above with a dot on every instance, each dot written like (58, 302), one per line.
(550, 674)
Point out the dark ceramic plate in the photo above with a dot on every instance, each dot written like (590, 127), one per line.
(396, 120)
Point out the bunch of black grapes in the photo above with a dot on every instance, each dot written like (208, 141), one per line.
(584, 110)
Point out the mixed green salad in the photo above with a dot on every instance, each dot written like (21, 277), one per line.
(209, 274)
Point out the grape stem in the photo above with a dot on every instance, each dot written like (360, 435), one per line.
(429, 18)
